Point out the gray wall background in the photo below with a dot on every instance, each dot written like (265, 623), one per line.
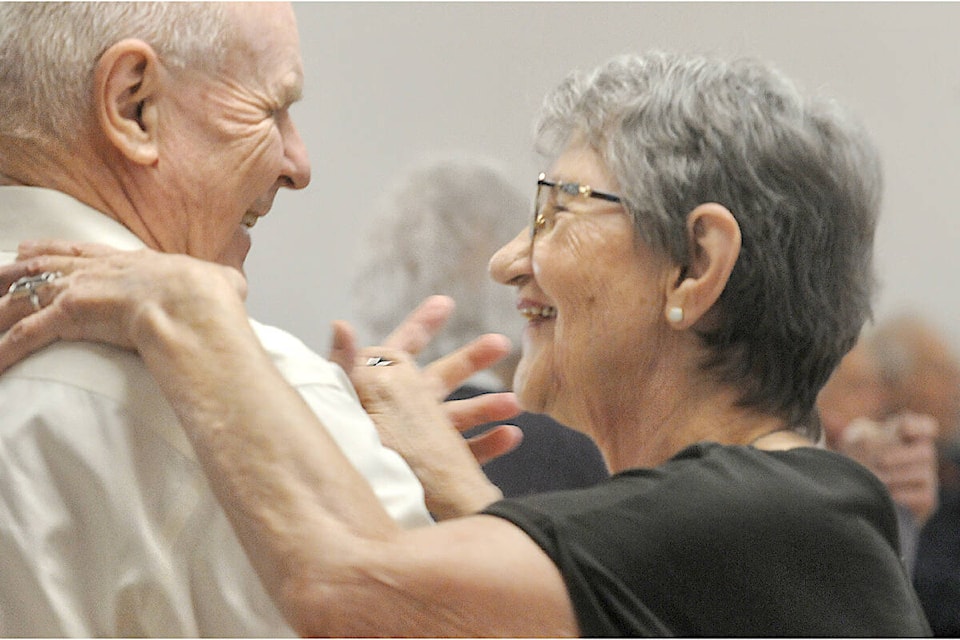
(390, 83)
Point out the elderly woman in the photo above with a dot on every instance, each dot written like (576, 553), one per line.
(698, 262)
(435, 231)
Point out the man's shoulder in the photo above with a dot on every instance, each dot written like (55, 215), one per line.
(115, 373)
(101, 369)
(82, 383)
(298, 364)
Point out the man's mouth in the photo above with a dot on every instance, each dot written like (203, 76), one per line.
(249, 219)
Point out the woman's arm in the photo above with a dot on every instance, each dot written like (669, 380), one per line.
(333, 560)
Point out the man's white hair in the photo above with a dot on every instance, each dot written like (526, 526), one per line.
(48, 51)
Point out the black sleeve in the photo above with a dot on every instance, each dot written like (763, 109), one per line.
(728, 541)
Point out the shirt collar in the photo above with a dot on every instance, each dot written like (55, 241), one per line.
(33, 213)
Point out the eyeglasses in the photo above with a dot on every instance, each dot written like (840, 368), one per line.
(556, 196)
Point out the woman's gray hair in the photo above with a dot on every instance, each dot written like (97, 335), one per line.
(48, 51)
(799, 175)
(434, 233)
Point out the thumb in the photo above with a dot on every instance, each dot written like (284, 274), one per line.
(343, 345)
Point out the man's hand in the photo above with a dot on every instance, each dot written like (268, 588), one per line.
(901, 452)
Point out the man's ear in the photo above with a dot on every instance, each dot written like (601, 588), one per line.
(127, 80)
(713, 238)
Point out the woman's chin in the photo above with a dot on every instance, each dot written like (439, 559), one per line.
(530, 390)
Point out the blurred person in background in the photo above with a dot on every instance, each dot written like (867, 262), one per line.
(435, 230)
(856, 420)
(921, 371)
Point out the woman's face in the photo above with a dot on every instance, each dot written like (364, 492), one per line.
(592, 296)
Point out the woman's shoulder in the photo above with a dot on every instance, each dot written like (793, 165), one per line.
(807, 465)
(712, 484)
(804, 531)
(801, 478)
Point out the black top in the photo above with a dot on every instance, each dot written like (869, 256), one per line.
(722, 541)
(550, 458)
(937, 573)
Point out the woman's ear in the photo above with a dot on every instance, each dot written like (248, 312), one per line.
(126, 84)
(713, 238)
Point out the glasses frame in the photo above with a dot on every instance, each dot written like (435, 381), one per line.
(573, 189)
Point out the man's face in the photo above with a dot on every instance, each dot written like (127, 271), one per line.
(228, 142)
(855, 390)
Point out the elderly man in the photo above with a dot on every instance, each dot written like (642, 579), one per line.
(164, 125)
(859, 420)
(921, 370)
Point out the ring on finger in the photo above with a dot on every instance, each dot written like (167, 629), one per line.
(27, 286)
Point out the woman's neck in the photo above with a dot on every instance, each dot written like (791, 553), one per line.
(650, 431)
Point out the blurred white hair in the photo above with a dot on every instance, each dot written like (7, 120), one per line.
(434, 233)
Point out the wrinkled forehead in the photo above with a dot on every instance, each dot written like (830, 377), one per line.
(265, 43)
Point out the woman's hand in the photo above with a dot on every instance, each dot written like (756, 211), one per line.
(407, 405)
(105, 295)
(403, 402)
(447, 374)
(137, 299)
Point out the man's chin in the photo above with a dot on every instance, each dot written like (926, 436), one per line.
(235, 253)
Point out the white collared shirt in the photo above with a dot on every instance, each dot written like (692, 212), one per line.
(107, 524)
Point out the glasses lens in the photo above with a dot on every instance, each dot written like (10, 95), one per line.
(568, 189)
(539, 204)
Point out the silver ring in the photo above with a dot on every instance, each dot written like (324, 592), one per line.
(379, 362)
(26, 287)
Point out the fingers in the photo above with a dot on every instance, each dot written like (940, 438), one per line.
(859, 430)
(32, 248)
(495, 442)
(907, 465)
(37, 256)
(482, 409)
(451, 370)
(34, 267)
(102, 296)
(921, 503)
(343, 345)
(421, 325)
(916, 427)
(919, 496)
(26, 294)
(416, 331)
(30, 334)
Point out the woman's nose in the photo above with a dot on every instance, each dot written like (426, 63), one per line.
(511, 263)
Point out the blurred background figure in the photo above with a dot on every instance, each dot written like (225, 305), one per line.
(434, 233)
(921, 372)
(859, 421)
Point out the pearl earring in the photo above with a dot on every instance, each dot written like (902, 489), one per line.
(675, 314)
